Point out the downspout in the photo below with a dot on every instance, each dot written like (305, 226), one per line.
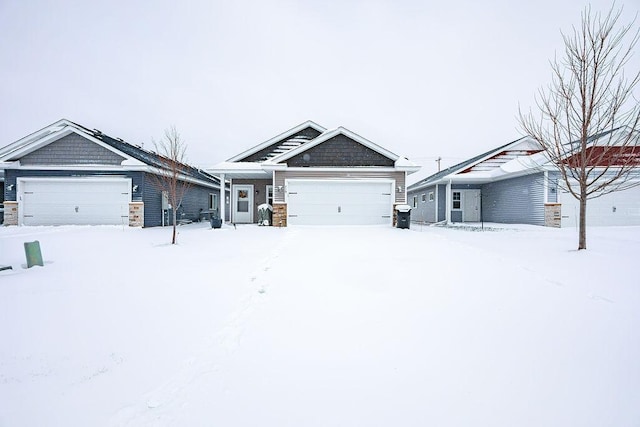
(448, 203)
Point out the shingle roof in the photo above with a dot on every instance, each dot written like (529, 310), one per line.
(148, 157)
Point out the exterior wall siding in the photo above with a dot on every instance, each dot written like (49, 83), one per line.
(442, 202)
(257, 157)
(552, 192)
(72, 149)
(339, 151)
(281, 176)
(425, 211)
(195, 201)
(515, 201)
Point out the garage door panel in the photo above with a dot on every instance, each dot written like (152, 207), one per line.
(336, 203)
(614, 209)
(75, 201)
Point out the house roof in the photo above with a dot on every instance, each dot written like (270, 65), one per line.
(483, 165)
(134, 155)
(292, 143)
(287, 144)
(328, 135)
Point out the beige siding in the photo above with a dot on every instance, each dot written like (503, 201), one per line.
(398, 177)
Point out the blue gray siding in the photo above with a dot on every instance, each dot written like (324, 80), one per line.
(515, 201)
(425, 211)
(442, 202)
(72, 149)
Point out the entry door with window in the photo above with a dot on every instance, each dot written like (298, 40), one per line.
(243, 204)
(471, 206)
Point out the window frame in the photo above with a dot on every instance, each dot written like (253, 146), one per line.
(431, 196)
(458, 200)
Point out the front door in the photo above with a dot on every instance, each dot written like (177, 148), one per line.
(471, 206)
(242, 204)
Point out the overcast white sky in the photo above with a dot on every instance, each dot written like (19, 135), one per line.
(421, 78)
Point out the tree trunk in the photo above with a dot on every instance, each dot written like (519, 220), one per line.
(582, 237)
(175, 219)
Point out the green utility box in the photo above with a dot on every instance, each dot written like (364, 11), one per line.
(32, 251)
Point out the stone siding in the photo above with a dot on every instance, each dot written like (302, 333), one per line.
(280, 215)
(136, 214)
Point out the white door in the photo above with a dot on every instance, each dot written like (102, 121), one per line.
(81, 201)
(339, 202)
(619, 208)
(243, 204)
(470, 205)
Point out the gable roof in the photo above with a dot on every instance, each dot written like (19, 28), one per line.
(285, 146)
(467, 165)
(327, 135)
(135, 156)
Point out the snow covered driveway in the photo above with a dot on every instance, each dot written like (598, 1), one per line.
(327, 326)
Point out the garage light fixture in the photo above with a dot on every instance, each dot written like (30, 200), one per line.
(399, 188)
(135, 188)
(10, 187)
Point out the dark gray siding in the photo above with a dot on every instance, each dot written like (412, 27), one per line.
(309, 132)
(72, 149)
(515, 201)
(195, 201)
(339, 151)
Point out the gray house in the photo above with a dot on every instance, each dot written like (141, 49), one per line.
(514, 184)
(68, 174)
(312, 175)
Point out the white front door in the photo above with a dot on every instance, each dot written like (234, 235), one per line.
(242, 204)
(471, 205)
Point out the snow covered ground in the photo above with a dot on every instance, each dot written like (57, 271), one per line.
(304, 326)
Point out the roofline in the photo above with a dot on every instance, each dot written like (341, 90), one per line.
(431, 179)
(292, 131)
(328, 135)
(40, 141)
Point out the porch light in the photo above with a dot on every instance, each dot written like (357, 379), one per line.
(399, 188)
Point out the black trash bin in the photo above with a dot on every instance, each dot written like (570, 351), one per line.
(215, 221)
(403, 219)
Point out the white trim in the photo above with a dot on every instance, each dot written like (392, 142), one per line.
(545, 187)
(275, 139)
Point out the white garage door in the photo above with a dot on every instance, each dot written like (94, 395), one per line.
(339, 202)
(81, 201)
(619, 208)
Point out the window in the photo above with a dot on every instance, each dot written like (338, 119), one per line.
(424, 198)
(415, 201)
(270, 194)
(431, 197)
(456, 200)
(213, 202)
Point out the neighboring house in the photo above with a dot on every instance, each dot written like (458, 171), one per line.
(69, 174)
(311, 175)
(514, 184)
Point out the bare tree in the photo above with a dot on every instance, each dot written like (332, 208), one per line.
(588, 116)
(170, 177)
